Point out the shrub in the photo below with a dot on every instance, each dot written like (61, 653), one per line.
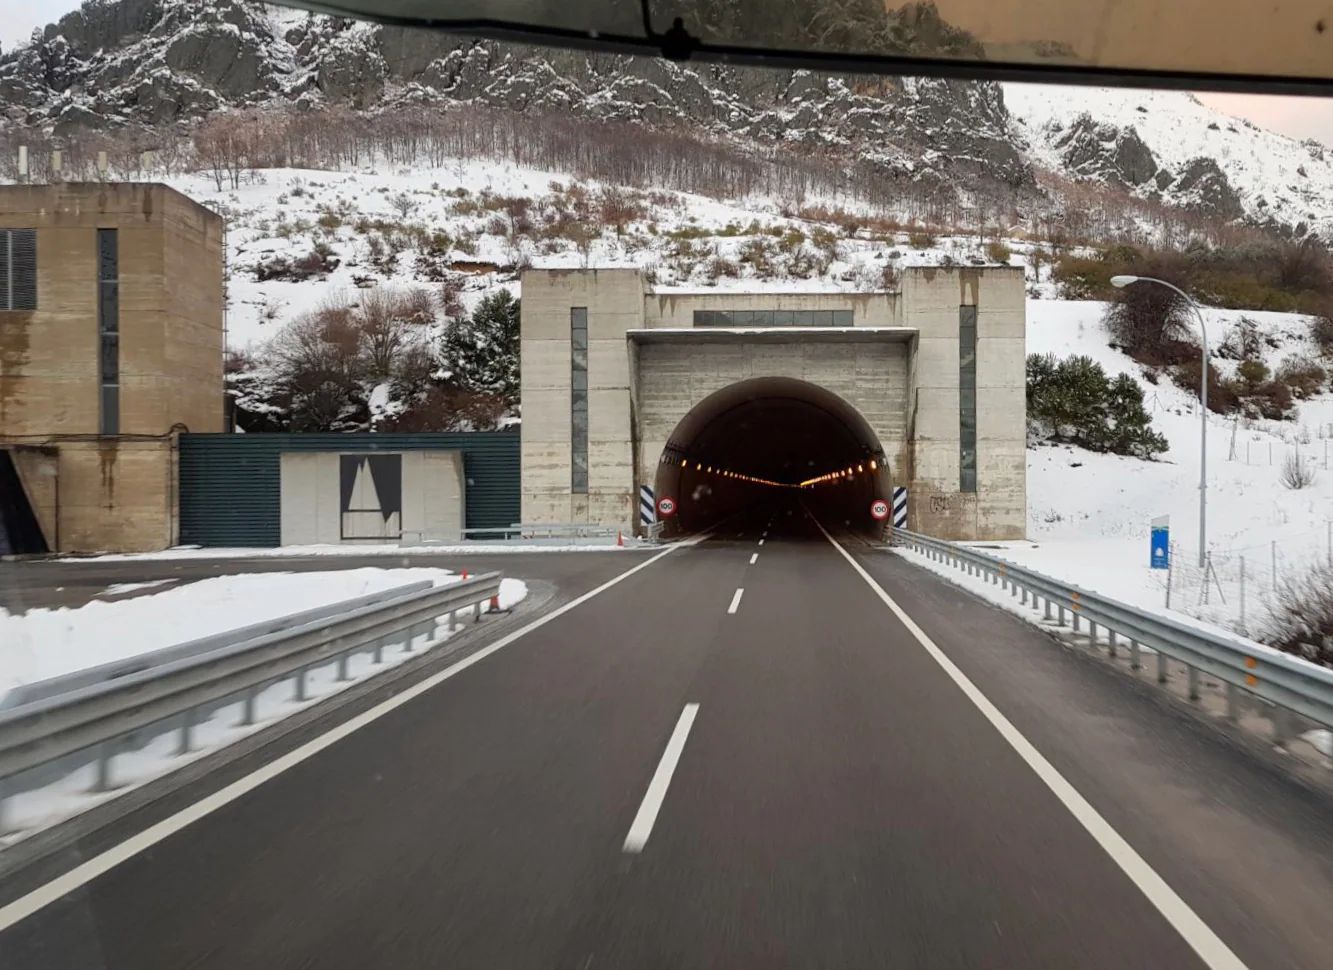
(1301, 616)
(1297, 472)
(1252, 373)
(920, 239)
(998, 252)
(1304, 376)
(1073, 400)
(825, 239)
(1222, 395)
(719, 266)
(1149, 323)
(1271, 400)
(1242, 341)
(1321, 332)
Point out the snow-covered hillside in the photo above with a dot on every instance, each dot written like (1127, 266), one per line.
(411, 228)
(1089, 515)
(1169, 145)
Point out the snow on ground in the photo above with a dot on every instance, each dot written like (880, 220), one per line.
(387, 549)
(101, 632)
(1089, 515)
(40, 644)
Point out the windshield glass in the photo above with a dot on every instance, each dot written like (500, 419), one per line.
(572, 491)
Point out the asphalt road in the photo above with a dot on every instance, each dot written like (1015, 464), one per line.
(49, 584)
(838, 801)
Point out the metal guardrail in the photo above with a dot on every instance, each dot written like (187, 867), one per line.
(1275, 677)
(519, 532)
(64, 684)
(51, 736)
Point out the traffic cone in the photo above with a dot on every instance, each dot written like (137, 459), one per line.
(495, 605)
(465, 574)
(620, 540)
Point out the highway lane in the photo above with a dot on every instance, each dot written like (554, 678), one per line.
(837, 802)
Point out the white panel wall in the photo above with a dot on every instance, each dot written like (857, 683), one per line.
(434, 496)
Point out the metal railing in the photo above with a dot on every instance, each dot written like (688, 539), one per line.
(49, 737)
(1277, 678)
(519, 532)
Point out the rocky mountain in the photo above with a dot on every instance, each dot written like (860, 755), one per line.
(154, 63)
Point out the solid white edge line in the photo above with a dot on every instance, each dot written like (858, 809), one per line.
(86, 872)
(736, 600)
(642, 826)
(1194, 931)
(754, 559)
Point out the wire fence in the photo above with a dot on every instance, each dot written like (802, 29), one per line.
(1237, 588)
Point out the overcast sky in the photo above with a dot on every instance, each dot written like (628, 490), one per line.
(1298, 117)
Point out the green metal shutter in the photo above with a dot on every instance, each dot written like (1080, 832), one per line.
(230, 484)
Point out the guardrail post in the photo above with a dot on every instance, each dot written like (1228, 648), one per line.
(1060, 615)
(1233, 703)
(248, 705)
(342, 664)
(1161, 667)
(377, 655)
(1194, 683)
(4, 806)
(1281, 726)
(1024, 598)
(187, 731)
(1073, 615)
(476, 613)
(300, 684)
(1135, 660)
(408, 636)
(105, 752)
(1110, 639)
(1092, 632)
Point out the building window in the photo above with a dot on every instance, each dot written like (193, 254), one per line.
(108, 328)
(18, 269)
(578, 387)
(773, 318)
(967, 398)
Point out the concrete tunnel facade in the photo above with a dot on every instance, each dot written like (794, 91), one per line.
(624, 387)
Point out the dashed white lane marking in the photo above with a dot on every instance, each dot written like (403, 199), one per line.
(736, 600)
(1215, 954)
(642, 826)
(761, 542)
(86, 872)
(754, 558)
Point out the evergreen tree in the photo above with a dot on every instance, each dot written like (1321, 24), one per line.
(480, 352)
(1073, 401)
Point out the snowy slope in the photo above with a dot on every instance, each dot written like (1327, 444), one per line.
(1089, 515)
(684, 241)
(1275, 177)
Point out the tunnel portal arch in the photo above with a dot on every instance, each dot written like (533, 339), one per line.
(772, 440)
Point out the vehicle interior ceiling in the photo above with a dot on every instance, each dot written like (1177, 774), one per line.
(1233, 45)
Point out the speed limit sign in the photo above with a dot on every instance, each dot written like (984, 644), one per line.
(666, 506)
(879, 509)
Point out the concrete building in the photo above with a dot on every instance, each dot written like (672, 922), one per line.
(697, 395)
(111, 342)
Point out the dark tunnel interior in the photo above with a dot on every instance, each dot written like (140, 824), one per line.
(775, 442)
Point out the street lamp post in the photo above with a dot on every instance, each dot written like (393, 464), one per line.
(1122, 281)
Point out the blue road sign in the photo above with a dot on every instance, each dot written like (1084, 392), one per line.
(1161, 542)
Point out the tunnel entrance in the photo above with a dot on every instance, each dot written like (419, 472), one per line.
(772, 441)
